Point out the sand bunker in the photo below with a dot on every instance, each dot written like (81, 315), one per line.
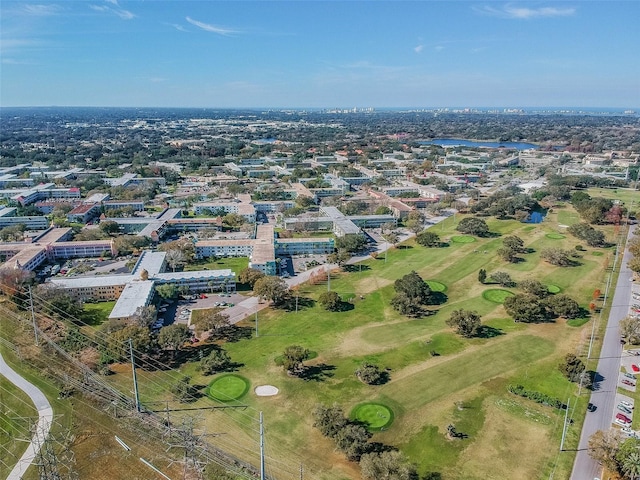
(266, 391)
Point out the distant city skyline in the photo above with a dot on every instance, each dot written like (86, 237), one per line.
(325, 54)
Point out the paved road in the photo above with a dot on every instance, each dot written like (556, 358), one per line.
(45, 414)
(604, 397)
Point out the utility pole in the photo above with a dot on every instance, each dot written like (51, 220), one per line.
(329, 279)
(135, 379)
(33, 315)
(262, 477)
(257, 333)
(564, 427)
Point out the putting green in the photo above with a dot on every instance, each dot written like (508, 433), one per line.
(375, 415)
(436, 286)
(496, 295)
(463, 239)
(555, 236)
(551, 288)
(597, 254)
(228, 388)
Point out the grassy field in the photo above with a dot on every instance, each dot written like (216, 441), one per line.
(97, 313)
(625, 195)
(236, 264)
(436, 377)
(16, 410)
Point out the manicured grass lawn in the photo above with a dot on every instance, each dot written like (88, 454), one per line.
(555, 236)
(235, 264)
(436, 286)
(97, 313)
(228, 388)
(431, 368)
(463, 239)
(551, 288)
(375, 415)
(625, 195)
(496, 295)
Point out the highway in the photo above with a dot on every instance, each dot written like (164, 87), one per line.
(604, 393)
(45, 417)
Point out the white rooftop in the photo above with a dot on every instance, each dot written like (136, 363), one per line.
(136, 294)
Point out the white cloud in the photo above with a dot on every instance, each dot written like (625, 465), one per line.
(418, 49)
(525, 13)
(40, 10)
(177, 26)
(118, 11)
(207, 27)
(438, 48)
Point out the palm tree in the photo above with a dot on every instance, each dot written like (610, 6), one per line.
(631, 466)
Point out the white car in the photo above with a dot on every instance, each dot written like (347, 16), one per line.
(620, 422)
(626, 404)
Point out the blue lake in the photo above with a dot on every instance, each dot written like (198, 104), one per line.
(455, 142)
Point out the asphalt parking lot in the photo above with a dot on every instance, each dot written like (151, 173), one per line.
(179, 311)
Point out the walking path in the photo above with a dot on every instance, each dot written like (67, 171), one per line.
(45, 414)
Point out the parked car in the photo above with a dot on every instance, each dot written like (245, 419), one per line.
(626, 404)
(628, 382)
(629, 375)
(623, 418)
(624, 409)
(591, 407)
(635, 368)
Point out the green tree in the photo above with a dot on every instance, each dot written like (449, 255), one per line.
(212, 322)
(175, 258)
(503, 278)
(405, 305)
(414, 287)
(482, 275)
(557, 256)
(329, 420)
(534, 288)
(572, 367)
(233, 220)
(387, 465)
(293, 358)
(473, 226)
(466, 323)
(353, 440)
(57, 302)
(514, 243)
(141, 341)
(563, 306)
(250, 276)
(352, 242)
(630, 329)
(173, 337)
(382, 210)
(330, 301)
(371, 374)
(341, 257)
(272, 288)
(428, 239)
(217, 361)
(145, 316)
(603, 447)
(109, 227)
(525, 308)
(167, 291)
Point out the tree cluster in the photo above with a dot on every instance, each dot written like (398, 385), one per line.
(617, 454)
(371, 374)
(428, 239)
(558, 257)
(508, 203)
(411, 294)
(473, 226)
(511, 247)
(591, 209)
(351, 438)
(330, 301)
(527, 308)
(272, 288)
(584, 231)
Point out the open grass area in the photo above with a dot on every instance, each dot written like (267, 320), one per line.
(97, 313)
(436, 377)
(551, 288)
(16, 410)
(555, 236)
(463, 239)
(235, 264)
(625, 195)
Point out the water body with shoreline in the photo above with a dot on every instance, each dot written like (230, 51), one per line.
(456, 142)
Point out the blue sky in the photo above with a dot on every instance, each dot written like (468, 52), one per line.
(319, 54)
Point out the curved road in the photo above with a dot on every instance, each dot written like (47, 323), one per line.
(608, 370)
(45, 417)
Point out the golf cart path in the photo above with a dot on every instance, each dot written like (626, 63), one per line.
(45, 418)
